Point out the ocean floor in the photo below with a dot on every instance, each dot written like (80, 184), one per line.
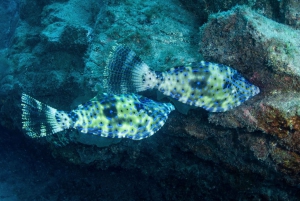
(29, 172)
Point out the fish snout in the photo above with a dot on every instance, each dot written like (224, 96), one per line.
(256, 91)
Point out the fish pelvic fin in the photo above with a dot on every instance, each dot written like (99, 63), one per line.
(127, 73)
(40, 120)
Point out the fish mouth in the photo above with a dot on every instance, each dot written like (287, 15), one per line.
(256, 91)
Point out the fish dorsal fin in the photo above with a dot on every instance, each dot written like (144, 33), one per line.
(126, 72)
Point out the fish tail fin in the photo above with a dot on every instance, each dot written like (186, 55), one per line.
(39, 119)
(127, 73)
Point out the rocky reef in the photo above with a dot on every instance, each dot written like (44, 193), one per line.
(276, 70)
(249, 153)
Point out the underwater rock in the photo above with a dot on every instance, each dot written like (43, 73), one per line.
(251, 43)
(278, 116)
(62, 36)
(268, 53)
(67, 25)
(46, 55)
(189, 151)
(291, 12)
(8, 10)
(284, 11)
(30, 11)
(161, 32)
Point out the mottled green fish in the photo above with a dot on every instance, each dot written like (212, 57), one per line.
(114, 116)
(214, 87)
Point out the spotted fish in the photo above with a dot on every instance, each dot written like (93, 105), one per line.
(214, 87)
(114, 116)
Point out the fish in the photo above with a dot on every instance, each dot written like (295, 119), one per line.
(113, 116)
(214, 87)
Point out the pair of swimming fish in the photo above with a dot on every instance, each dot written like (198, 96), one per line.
(120, 113)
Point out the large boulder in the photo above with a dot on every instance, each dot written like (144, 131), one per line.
(268, 54)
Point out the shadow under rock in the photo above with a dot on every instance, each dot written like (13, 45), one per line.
(29, 172)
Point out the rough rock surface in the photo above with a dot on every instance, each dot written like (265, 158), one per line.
(46, 56)
(283, 11)
(8, 10)
(268, 53)
(290, 9)
(161, 32)
(254, 43)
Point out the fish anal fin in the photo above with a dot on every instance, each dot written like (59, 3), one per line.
(160, 95)
(181, 107)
